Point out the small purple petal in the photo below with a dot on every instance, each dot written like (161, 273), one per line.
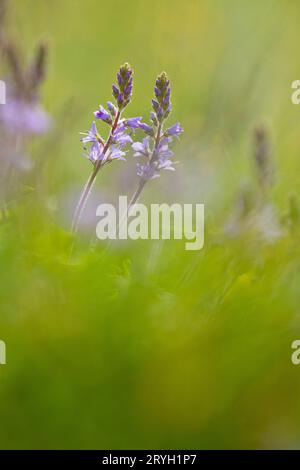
(91, 135)
(160, 113)
(153, 118)
(133, 123)
(174, 130)
(112, 109)
(155, 105)
(120, 79)
(95, 152)
(122, 140)
(116, 154)
(142, 149)
(102, 114)
(115, 91)
(157, 92)
(147, 171)
(24, 117)
(146, 128)
(120, 99)
(128, 89)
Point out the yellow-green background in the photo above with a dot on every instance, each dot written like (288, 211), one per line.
(147, 345)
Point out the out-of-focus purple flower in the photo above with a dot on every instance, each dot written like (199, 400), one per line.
(123, 92)
(174, 130)
(102, 114)
(24, 117)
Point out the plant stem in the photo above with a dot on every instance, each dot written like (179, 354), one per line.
(136, 195)
(143, 182)
(91, 180)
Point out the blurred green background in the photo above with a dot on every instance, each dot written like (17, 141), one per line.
(147, 345)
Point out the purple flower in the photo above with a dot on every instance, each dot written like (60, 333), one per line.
(155, 148)
(122, 139)
(120, 79)
(153, 118)
(128, 89)
(133, 123)
(166, 164)
(162, 92)
(115, 91)
(111, 108)
(91, 135)
(147, 171)
(155, 106)
(24, 117)
(142, 149)
(120, 100)
(115, 153)
(163, 149)
(95, 153)
(100, 152)
(157, 92)
(120, 136)
(174, 130)
(123, 92)
(158, 158)
(102, 114)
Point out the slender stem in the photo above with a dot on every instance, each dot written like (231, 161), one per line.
(136, 195)
(90, 182)
(157, 141)
(142, 182)
(83, 200)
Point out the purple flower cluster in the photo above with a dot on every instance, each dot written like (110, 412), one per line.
(152, 167)
(24, 117)
(123, 92)
(155, 147)
(99, 151)
(119, 138)
(23, 113)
